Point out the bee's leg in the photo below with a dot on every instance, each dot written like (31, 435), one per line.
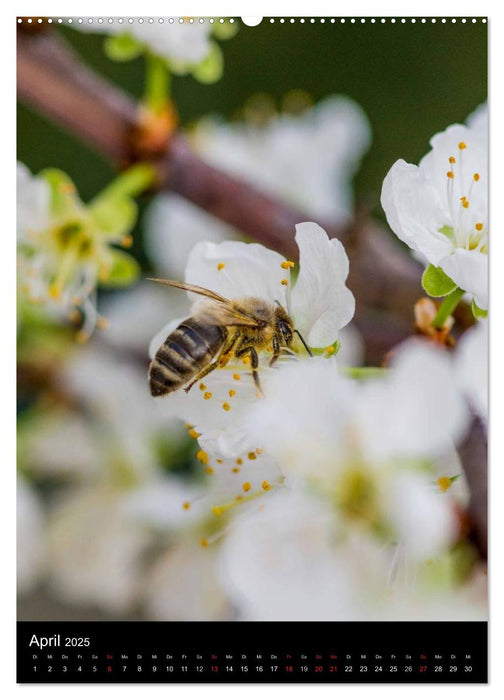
(276, 351)
(254, 361)
(216, 363)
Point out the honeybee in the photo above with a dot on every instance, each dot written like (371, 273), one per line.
(219, 330)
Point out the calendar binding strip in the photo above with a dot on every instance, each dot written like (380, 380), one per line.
(271, 20)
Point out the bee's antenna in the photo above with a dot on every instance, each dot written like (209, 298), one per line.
(160, 281)
(303, 341)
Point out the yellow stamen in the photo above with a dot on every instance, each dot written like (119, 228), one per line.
(221, 266)
(217, 510)
(239, 460)
(203, 542)
(202, 456)
(235, 470)
(266, 485)
(452, 160)
(207, 395)
(127, 241)
(462, 145)
(246, 360)
(450, 174)
(465, 203)
(194, 434)
(237, 377)
(219, 461)
(232, 392)
(186, 505)
(259, 451)
(252, 455)
(285, 282)
(444, 483)
(246, 486)
(286, 264)
(476, 177)
(209, 470)
(102, 323)
(478, 227)
(202, 386)
(226, 406)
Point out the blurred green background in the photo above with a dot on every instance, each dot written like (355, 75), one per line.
(412, 80)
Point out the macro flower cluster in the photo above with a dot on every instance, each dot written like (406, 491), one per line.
(334, 489)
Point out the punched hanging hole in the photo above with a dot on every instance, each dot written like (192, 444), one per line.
(251, 21)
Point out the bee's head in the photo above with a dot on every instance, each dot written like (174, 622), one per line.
(284, 327)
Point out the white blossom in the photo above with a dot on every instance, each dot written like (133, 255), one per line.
(95, 550)
(320, 305)
(31, 538)
(307, 160)
(182, 42)
(370, 445)
(33, 203)
(471, 359)
(440, 207)
(291, 560)
(67, 248)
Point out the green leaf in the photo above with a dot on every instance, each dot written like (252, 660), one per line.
(478, 313)
(124, 270)
(114, 216)
(122, 47)
(211, 68)
(436, 282)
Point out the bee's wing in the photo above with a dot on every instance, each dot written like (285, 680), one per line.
(221, 313)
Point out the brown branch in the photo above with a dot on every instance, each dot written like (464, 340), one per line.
(473, 453)
(383, 278)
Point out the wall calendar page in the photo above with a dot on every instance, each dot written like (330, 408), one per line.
(252, 293)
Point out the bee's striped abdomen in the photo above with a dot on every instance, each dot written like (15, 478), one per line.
(186, 351)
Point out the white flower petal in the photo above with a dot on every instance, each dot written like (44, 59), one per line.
(181, 42)
(234, 269)
(416, 411)
(469, 270)
(33, 198)
(424, 518)
(321, 303)
(173, 226)
(183, 585)
(31, 545)
(95, 551)
(303, 430)
(307, 160)
(414, 211)
(278, 564)
(471, 361)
